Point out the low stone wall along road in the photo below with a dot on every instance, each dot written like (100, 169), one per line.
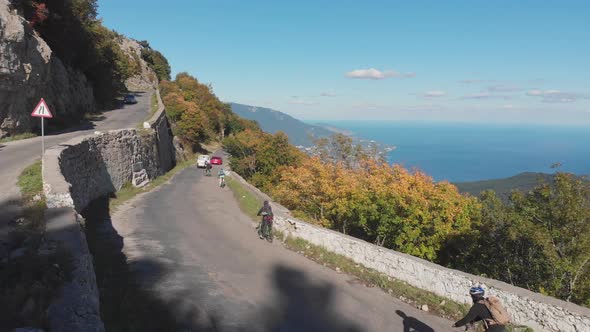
(199, 257)
(15, 156)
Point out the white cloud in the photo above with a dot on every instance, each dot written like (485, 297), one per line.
(485, 95)
(474, 81)
(409, 74)
(303, 102)
(504, 88)
(372, 74)
(434, 94)
(422, 107)
(508, 106)
(328, 94)
(556, 96)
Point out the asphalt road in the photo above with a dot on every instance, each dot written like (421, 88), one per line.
(199, 257)
(15, 156)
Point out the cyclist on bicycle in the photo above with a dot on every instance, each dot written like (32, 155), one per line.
(221, 176)
(208, 168)
(266, 213)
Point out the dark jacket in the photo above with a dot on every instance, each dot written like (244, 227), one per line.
(267, 209)
(479, 312)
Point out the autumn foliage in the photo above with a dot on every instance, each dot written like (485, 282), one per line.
(260, 157)
(196, 114)
(384, 204)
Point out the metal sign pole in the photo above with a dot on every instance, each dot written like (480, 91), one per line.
(42, 140)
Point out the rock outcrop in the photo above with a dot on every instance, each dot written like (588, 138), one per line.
(146, 79)
(30, 71)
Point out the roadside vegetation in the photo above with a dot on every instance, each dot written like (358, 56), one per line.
(30, 183)
(153, 105)
(17, 137)
(156, 61)
(248, 202)
(197, 116)
(32, 271)
(539, 240)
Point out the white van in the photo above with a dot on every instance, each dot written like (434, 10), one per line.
(202, 159)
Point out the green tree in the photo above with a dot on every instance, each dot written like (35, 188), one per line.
(539, 240)
(560, 214)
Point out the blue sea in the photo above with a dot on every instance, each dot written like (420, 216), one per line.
(470, 152)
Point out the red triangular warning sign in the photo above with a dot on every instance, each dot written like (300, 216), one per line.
(41, 110)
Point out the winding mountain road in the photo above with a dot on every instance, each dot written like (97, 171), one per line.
(15, 156)
(198, 256)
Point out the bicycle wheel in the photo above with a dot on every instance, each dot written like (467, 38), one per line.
(268, 231)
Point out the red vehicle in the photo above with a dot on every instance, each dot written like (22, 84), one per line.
(216, 161)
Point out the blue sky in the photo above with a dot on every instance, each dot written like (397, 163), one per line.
(474, 61)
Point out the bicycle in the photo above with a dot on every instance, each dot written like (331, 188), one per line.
(265, 228)
(222, 181)
(207, 172)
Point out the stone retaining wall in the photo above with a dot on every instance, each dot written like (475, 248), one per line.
(542, 313)
(79, 171)
(99, 165)
(77, 308)
(159, 122)
(85, 168)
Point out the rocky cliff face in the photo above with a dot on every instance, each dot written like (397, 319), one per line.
(146, 79)
(29, 71)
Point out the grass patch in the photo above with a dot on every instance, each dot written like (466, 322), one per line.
(128, 191)
(30, 183)
(18, 137)
(249, 203)
(154, 105)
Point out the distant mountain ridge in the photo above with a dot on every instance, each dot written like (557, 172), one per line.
(272, 121)
(503, 187)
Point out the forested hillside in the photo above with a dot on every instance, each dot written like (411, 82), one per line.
(272, 121)
(503, 187)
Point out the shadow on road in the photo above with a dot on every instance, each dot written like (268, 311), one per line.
(86, 125)
(9, 209)
(127, 301)
(412, 324)
(32, 270)
(304, 305)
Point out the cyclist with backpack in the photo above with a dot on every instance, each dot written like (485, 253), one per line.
(265, 226)
(208, 168)
(489, 310)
